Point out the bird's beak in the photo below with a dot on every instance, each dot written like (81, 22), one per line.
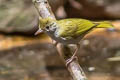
(38, 31)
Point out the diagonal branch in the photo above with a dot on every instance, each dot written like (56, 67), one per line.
(74, 68)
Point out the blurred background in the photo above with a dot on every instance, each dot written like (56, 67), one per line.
(24, 56)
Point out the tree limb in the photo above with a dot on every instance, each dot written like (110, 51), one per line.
(74, 68)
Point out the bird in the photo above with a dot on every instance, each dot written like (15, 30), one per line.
(69, 31)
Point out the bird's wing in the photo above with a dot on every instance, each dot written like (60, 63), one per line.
(84, 27)
(70, 28)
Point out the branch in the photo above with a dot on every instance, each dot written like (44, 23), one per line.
(74, 68)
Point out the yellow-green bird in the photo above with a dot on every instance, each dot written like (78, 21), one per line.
(69, 31)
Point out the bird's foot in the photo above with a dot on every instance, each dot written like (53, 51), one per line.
(73, 56)
(70, 60)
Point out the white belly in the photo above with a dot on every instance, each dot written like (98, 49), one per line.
(65, 41)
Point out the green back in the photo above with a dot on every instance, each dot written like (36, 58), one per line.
(74, 27)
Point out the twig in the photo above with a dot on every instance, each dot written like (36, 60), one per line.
(74, 68)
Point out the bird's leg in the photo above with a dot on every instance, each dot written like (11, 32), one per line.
(73, 56)
(54, 43)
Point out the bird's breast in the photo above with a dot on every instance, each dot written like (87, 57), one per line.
(63, 40)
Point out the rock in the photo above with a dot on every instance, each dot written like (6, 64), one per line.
(21, 16)
(17, 16)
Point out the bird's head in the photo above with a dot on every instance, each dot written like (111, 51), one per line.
(47, 23)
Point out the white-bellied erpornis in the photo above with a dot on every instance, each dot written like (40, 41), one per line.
(70, 31)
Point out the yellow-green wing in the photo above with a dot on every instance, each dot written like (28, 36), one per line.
(73, 27)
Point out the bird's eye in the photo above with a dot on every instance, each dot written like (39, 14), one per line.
(47, 27)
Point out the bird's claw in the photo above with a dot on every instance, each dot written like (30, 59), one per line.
(68, 61)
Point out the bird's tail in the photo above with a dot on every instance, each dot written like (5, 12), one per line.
(104, 24)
